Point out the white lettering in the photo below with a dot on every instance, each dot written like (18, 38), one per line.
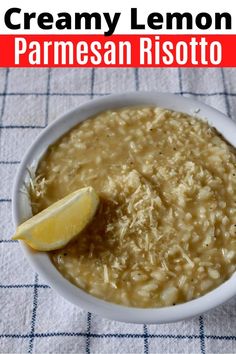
(20, 48)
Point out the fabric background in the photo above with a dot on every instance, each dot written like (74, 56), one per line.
(33, 318)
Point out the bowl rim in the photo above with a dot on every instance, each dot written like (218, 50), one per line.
(41, 262)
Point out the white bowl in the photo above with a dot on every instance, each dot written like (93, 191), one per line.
(41, 261)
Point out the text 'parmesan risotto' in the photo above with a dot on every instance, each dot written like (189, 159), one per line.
(165, 230)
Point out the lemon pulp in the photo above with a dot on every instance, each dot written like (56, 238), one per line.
(58, 224)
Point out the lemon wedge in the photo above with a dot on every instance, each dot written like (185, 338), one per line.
(56, 225)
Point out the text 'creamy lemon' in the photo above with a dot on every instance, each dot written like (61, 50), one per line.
(56, 225)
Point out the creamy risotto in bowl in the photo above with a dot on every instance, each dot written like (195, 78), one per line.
(165, 230)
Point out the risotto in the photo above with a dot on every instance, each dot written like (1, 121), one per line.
(165, 229)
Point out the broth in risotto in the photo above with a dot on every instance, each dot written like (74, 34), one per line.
(165, 229)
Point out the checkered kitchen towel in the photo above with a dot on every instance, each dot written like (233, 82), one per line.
(33, 318)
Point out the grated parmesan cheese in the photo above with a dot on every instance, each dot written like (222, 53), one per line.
(165, 229)
(105, 274)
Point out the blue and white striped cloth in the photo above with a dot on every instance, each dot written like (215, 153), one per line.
(33, 318)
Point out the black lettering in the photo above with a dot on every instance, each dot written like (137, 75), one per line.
(27, 19)
(218, 20)
(111, 23)
(134, 24)
(64, 21)
(7, 18)
(87, 19)
(207, 19)
(153, 20)
(43, 19)
(179, 20)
